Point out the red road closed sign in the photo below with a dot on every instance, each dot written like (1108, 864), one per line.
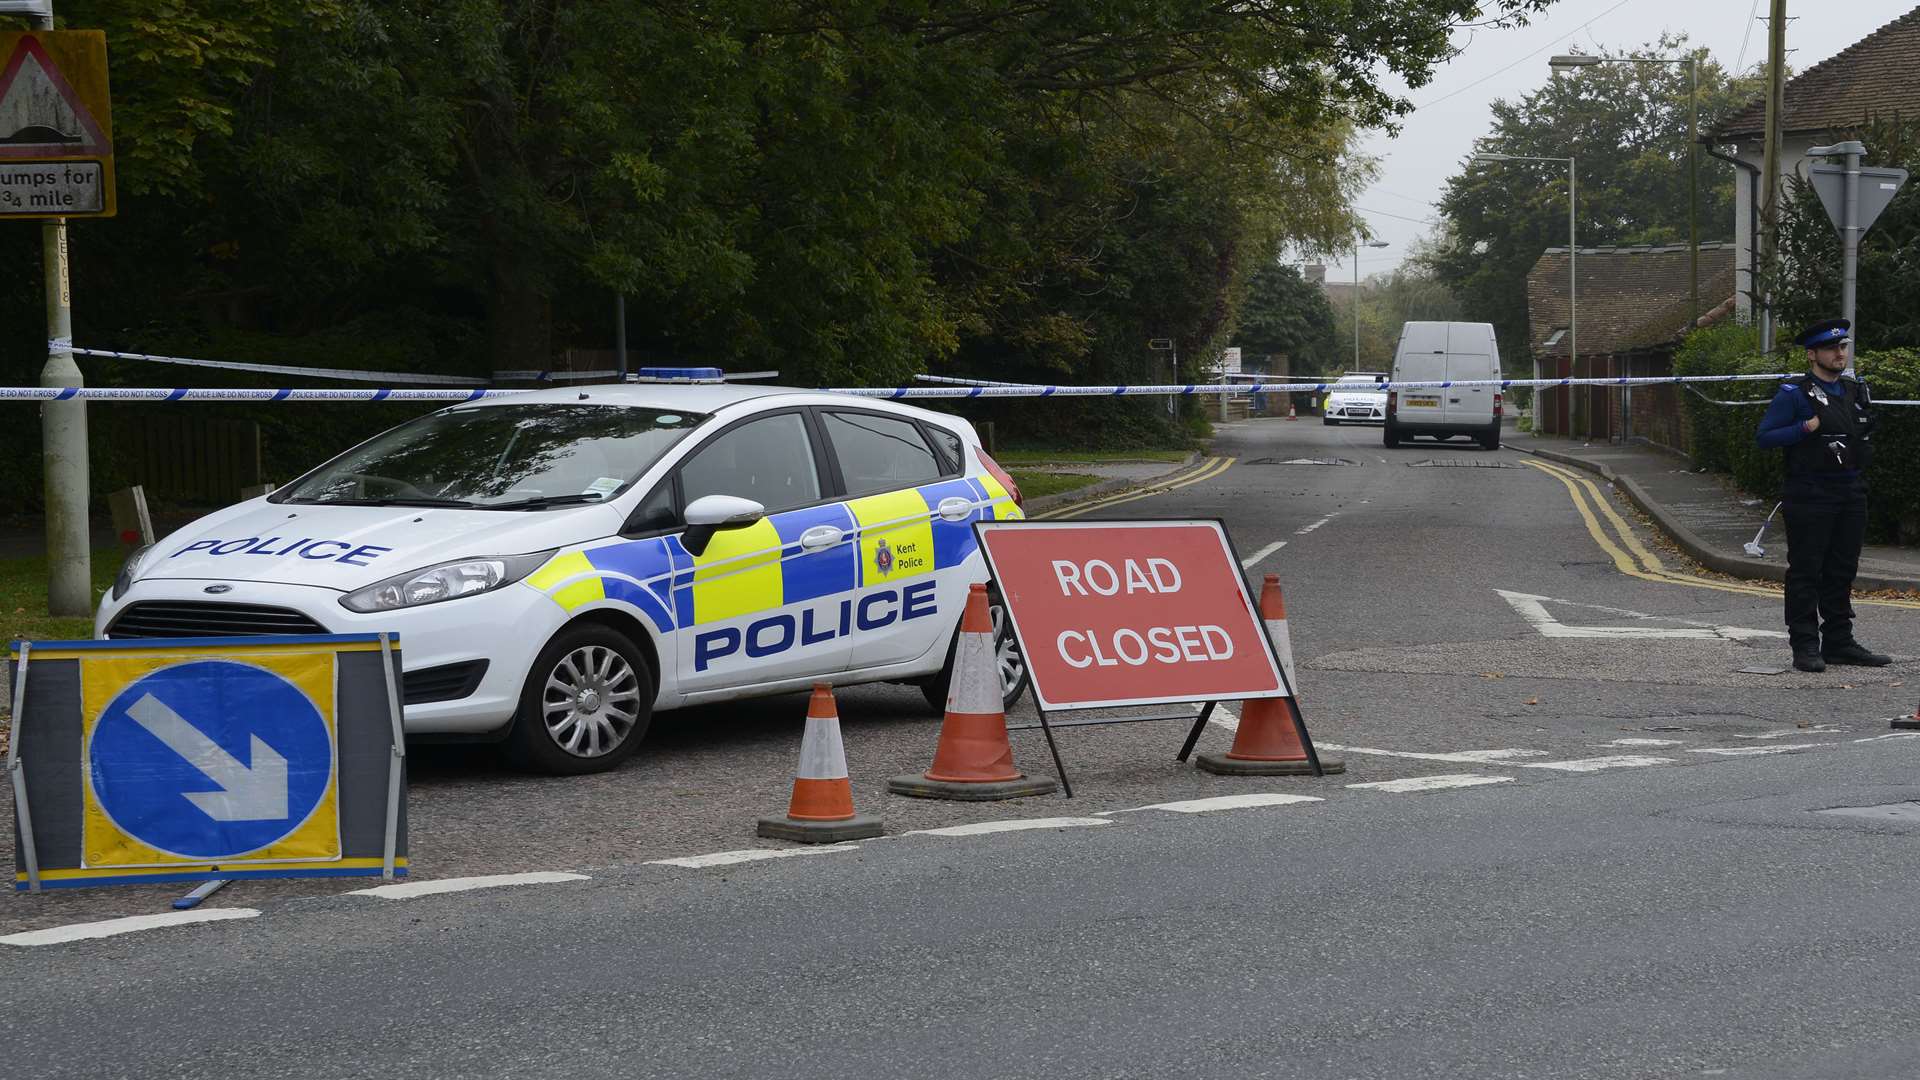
(1130, 612)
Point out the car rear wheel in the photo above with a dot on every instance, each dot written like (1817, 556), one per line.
(1006, 655)
(586, 705)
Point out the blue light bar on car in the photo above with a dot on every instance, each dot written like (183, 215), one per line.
(678, 375)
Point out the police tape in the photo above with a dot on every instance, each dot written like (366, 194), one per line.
(343, 374)
(1768, 400)
(1018, 390)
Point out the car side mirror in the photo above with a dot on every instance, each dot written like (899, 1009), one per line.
(709, 514)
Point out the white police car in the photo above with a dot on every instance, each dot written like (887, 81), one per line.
(561, 564)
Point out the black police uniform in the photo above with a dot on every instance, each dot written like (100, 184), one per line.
(1825, 505)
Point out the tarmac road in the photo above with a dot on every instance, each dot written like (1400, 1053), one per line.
(1585, 844)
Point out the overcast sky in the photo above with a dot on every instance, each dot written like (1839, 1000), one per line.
(1455, 108)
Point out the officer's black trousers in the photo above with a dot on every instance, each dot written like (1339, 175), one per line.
(1823, 555)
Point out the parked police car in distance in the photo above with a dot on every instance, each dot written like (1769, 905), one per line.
(1354, 399)
(561, 564)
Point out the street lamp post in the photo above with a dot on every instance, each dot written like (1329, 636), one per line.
(1357, 245)
(1573, 275)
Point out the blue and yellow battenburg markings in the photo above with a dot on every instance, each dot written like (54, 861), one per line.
(893, 537)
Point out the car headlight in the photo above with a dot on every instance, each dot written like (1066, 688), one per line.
(447, 581)
(124, 580)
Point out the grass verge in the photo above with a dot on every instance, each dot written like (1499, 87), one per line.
(23, 598)
(1034, 485)
(1010, 458)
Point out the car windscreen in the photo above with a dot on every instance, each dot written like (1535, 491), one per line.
(500, 457)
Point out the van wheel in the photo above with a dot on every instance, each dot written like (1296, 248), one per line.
(1390, 435)
(1490, 439)
(586, 705)
(1006, 655)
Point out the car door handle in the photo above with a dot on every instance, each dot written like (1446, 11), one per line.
(956, 509)
(820, 536)
(1454, 400)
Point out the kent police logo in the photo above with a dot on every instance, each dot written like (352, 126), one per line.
(882, 557)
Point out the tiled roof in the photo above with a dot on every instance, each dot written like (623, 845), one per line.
(1630, 297)
(1871, 78)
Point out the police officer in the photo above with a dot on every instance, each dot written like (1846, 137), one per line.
(1823, 422)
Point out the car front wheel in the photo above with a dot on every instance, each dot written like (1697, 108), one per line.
(586, 705)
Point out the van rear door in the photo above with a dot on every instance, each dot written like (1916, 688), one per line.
(1422, 358)
(1470, 358)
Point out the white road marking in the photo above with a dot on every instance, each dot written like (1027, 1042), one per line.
(1223, 802)
(1643, 742)
(1315, 525)
(1895, 735)
(1533, 609)
(1432, 783)
(1595, 764)
(981, 828)
(1783, 733)
(1262, 553)
(1223, 717)
(412, 889)
(730, 858)
(59, 935)
(1466, 757)
(1755, 751)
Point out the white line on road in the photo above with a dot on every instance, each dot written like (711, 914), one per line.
(731, 858)
(412, 889)
(1533, 609)
(1315, 525)
(1643, 742)
(1466, 757)
(1756, 751)
(1262, 553)
(981, 828)
(1895, 735)
(1784, 733)
(59, 935)
(1595, 764)
(1432, 783)
(1223, 802)
(1223, 717)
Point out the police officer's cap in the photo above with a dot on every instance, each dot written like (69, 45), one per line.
(1823, 334)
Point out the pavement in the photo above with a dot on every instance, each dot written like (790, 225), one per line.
(1705, 515)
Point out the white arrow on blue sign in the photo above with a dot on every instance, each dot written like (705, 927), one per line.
(210, 759)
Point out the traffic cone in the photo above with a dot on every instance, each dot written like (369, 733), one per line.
(1908, 723)
(822, 808)
(1291, 415)
(974, 761)
(1270, 740)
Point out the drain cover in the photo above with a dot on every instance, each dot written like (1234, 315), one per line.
(1302, 461)
(1900, 811)
(1460, 463)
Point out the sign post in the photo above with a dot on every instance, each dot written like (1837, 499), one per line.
(56, 162)
(1854, 198)
(1113, 614)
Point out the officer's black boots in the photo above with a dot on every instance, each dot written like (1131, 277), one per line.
(1809, 661)
(1851, 653)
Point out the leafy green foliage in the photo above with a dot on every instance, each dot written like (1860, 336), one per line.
(1285, 313)
(1626, 124)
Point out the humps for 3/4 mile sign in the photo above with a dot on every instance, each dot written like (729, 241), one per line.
(56, 129)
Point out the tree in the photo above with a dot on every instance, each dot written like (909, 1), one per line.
(1285, 313)
(1626, 124)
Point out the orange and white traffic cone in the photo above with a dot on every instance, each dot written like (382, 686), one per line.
(974, 760)
(1291, 414)
(1906, 723)
(821, 811)
(1272, 739)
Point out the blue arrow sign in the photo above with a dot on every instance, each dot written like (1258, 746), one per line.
(210, 759)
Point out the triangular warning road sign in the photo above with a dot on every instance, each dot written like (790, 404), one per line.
(40, 115)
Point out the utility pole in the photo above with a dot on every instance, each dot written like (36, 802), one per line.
(1770, 178)
(63, 432)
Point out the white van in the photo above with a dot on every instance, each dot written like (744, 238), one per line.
(1442, 352)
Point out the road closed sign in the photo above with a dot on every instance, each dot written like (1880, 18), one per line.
(1130, 612)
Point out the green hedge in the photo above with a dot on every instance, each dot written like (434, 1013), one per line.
(1723, 435)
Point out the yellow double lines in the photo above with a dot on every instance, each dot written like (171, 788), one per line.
(1206, 470)
(1632, 558)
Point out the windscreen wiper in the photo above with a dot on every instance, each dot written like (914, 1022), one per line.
(543, 501)
(458, 504)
